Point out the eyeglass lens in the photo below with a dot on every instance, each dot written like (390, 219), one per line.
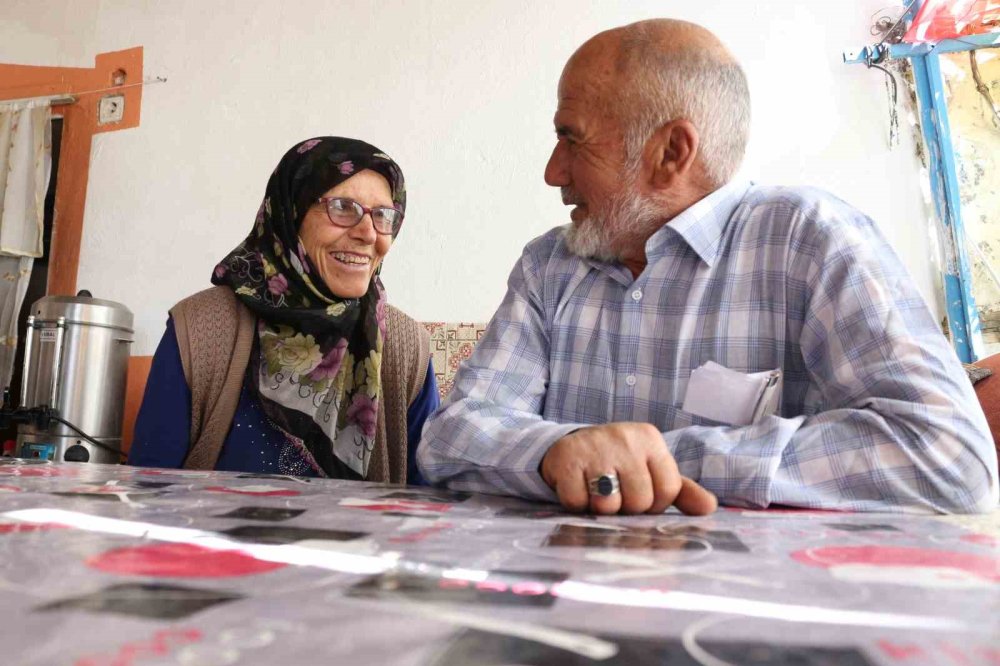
(347, 213)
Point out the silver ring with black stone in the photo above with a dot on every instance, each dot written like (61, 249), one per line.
(604, 485)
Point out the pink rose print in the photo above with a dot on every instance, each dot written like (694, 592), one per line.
(330, 365)
(347, 167)
(364, 412)
(277, 285)
(220, 271)
(307, 146)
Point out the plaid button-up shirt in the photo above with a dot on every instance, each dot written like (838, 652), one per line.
(876, 412)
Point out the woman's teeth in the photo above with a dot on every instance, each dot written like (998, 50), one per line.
(347, 258)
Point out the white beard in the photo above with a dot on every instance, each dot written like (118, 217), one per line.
(605, 235)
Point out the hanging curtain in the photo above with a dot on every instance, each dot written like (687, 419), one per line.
(950, 19)
(25, 163)
(14, 275)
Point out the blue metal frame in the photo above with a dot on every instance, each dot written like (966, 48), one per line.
(877, 52)
(963, 317)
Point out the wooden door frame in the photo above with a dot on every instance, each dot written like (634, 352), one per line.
(79, 127)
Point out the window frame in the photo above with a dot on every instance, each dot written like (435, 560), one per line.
(963, 317)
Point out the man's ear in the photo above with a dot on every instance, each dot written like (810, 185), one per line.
(671, 153)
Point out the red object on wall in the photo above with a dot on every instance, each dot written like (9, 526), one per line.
(948, 19)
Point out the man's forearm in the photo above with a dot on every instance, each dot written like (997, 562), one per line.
(487, 448)
(886, 457)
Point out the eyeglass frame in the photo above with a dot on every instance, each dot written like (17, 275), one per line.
(365, 210)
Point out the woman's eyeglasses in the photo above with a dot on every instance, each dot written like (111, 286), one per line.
(347, 213)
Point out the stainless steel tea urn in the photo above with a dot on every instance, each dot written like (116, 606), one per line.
(76, 355)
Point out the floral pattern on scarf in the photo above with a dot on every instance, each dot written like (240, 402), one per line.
(316, 363)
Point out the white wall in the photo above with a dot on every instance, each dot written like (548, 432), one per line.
(460, 93)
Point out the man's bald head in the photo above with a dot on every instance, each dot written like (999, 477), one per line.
(649, 73)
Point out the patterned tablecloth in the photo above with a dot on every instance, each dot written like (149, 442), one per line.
(112, 565)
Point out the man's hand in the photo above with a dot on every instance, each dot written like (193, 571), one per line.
(636, 452)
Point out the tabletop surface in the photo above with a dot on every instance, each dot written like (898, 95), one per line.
(114, 565)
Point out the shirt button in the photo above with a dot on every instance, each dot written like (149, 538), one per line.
(630, 380)
(637, 295)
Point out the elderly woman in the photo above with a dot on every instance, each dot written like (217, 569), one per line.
(294, 363)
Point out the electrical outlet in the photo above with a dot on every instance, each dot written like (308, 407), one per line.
(111, 109)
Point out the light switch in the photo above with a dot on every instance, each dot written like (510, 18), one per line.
(111, 109)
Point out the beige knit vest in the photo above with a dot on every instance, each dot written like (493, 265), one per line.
(215, 335)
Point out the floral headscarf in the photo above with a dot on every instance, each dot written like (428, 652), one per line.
(316, 362)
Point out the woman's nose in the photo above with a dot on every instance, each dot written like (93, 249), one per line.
(364, 230)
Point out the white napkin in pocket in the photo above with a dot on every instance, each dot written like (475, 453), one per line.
(715, 392)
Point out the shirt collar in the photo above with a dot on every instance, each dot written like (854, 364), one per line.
(701, 225)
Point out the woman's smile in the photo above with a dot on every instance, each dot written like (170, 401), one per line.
(351, 260)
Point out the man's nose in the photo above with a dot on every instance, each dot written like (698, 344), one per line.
(556, 173)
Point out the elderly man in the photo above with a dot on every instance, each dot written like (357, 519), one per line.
(583, 387)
